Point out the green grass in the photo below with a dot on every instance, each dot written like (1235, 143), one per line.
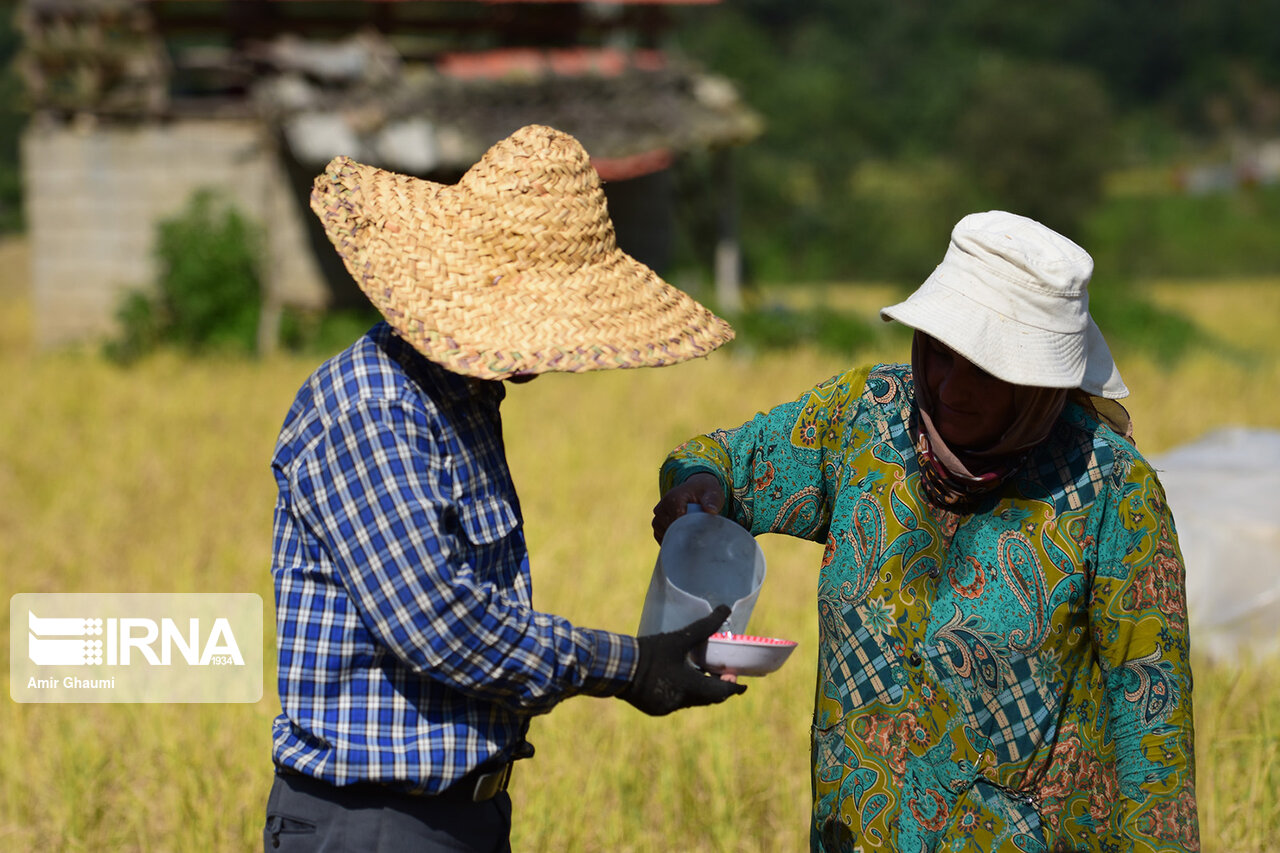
(155, 478)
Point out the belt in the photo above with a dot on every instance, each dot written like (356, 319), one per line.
(478, 786)
(485, 783)
(481, 784)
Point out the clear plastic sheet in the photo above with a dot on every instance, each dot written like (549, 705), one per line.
(1224, 490)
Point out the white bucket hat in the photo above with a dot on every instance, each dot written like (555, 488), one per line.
(1011, 296)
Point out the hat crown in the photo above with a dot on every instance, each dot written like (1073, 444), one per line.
(1023, 252)
(535, 195)
(1020, 269)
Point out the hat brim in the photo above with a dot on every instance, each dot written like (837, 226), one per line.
(1008, 349)
(614, 314)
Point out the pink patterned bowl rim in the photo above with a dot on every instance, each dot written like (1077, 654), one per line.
(748, 639)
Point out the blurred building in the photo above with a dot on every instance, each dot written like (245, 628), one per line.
(139, 103)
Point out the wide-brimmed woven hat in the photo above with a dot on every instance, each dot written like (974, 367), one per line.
(513, 270)
(1011, 295)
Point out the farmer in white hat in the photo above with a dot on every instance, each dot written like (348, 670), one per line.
(1003, 661)
(410, 657)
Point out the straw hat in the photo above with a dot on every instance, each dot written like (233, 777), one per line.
(1011, 296)
(514, 269)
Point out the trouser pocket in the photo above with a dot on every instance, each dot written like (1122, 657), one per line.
(285, 833)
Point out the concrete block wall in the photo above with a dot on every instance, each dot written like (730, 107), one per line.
(94, 197)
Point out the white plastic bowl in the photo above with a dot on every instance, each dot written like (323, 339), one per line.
(742, 654)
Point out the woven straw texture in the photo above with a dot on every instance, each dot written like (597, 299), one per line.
(514, 269)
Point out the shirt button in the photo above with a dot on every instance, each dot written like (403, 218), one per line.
(934, 572)
(915, 659)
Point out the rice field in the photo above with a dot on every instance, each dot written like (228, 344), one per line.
(155, 478)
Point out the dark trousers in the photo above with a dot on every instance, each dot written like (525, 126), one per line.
(305, 814)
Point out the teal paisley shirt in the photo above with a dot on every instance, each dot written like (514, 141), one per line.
(1012, 679)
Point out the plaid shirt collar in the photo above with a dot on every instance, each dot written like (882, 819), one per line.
(442, 384)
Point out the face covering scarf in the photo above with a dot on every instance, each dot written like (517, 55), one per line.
(955, 479)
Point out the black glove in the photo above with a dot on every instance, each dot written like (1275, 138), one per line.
(666, 681)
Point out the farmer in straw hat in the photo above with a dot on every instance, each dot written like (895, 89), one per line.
(1003, 660)
(410, 657)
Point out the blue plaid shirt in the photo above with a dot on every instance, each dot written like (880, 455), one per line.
(409, 649)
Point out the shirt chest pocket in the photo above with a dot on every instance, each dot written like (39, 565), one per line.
(486, 518)
(488, 538)
(482, 509)
(475, 482)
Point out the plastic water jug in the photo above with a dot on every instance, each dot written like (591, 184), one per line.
(705, 560)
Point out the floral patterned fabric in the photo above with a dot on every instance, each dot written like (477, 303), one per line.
(1012, 679)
